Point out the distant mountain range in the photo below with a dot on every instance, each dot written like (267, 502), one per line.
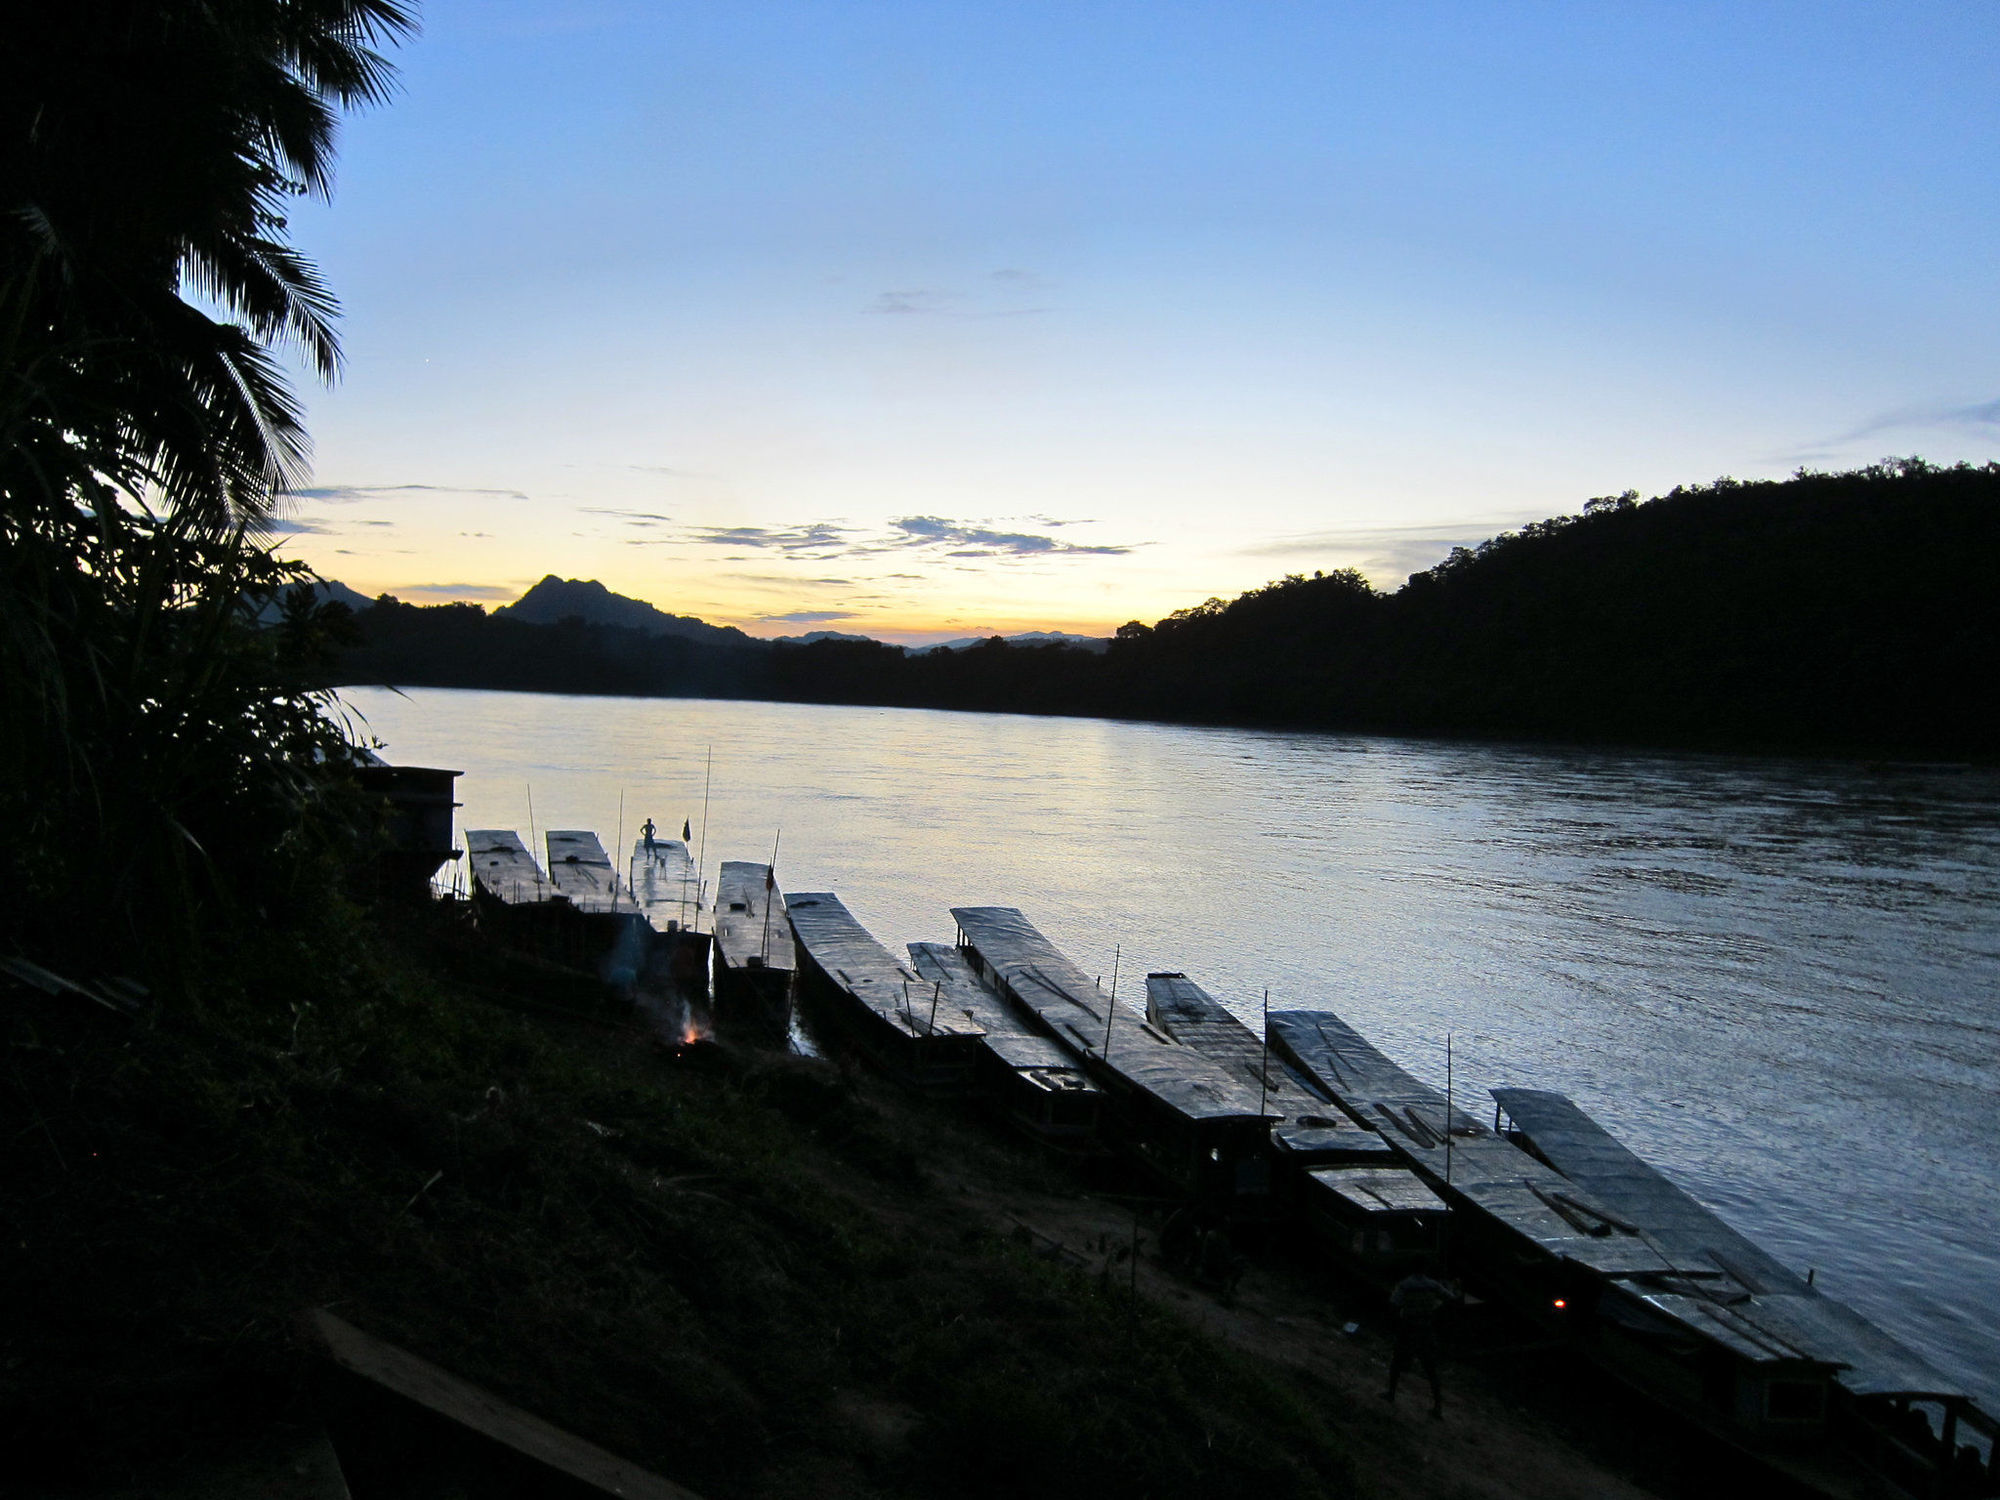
(554, 600)
(1093, 643)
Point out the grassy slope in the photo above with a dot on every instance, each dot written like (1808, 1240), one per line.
(750, 1283)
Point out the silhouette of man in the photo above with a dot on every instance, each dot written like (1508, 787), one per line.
(647, 830)
(1419, 1300)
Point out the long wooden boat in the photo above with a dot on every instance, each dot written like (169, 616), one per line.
(504, 873)
(666, 890)
(753, 945)
(1582, 1236)
(1339, 1178)
(1196, 1125)
(892, 1012)
(1877, 1384)
(1035, 1084)
(606, 931)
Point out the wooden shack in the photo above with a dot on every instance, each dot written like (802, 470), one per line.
(417, 806)
(896, 1017)
(1032, 1081)
(1198, 1126)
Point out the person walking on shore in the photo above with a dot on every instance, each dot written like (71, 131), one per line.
(1419, 1301)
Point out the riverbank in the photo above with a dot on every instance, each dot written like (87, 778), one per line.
(754, 1275)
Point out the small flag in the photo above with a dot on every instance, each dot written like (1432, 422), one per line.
(770, 878)
(687, 830)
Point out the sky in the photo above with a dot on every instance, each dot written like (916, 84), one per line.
(926, 320)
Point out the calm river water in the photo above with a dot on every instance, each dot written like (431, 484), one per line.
(1779, 981)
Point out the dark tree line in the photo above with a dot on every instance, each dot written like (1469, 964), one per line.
(1855, 611)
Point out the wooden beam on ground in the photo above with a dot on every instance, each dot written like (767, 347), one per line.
(402, 1374)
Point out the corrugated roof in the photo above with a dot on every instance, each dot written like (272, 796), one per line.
(1071, 1007)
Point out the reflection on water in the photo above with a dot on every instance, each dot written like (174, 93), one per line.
(1779, 981)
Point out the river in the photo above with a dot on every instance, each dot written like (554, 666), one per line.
(1777, 980)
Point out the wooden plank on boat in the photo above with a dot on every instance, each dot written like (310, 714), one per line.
(1783, 1314)
(665, 886)
(581, 871)
(750, 927)
(503, 868)
(418, 1381)
(854, 962)
(1035, 976)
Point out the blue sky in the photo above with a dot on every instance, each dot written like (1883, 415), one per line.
(926, 320)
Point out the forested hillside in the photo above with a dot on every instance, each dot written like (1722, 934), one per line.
(1828, 611)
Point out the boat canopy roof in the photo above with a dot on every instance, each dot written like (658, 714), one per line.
(1783, 1309)
(848, 954)
(1070, 1006)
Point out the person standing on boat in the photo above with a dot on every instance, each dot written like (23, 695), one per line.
(646, 831)
(1419, 1301)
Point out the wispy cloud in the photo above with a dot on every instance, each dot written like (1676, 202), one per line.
(1382, 553)
(643, 518)
(814, 538)
(454, 591)
(901, 304)
(292, 526)
(344, 494)
(968, 540)
(1980, 417)
(998, 294)
(808, 617)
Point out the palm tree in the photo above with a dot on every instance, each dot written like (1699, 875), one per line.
(148, 151)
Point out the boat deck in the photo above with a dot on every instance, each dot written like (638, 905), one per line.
(840, 948)
(1184, 1010)
(1483, 1168)
(503, 868)
(1035, 976)
(750, 929)
(581, 871)
(1782, 1316)
(665, 886)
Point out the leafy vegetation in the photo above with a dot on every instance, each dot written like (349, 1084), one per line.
(1856, 611)
(162, 764)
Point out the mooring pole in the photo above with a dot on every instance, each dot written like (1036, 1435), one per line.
(707, 779)
(770, 890)
(937, 989)
(621, 848)
(1111, 1006)
(1447, 1109)
(1264, 1072)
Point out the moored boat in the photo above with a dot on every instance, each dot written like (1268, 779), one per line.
(897, 1017)
(1193, 1123)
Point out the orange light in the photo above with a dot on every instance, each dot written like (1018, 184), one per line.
(1560, 1304)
